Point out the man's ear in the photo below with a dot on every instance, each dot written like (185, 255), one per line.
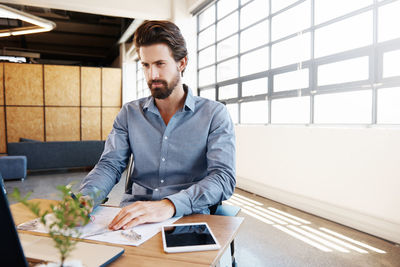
(182, 64)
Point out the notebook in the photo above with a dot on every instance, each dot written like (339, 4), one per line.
(19, 249)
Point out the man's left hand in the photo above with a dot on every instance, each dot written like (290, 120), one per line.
(142, 212)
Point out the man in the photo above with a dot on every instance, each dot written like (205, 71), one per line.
(183, 145)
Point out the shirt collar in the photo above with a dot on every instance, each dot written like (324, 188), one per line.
(189, 102)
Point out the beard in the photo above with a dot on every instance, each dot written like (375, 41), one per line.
(165, 89)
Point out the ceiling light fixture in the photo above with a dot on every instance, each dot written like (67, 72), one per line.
(41, 25)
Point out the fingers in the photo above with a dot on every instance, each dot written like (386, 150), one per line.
(126, 215)
(135, 222)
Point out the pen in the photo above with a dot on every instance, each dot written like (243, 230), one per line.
(73, 196)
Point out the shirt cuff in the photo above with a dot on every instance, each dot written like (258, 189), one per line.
(182, 204)
(94, 193)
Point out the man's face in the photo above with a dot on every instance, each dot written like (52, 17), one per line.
(160, 69)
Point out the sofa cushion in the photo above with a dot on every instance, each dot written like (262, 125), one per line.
(55, 155)
(13, 167)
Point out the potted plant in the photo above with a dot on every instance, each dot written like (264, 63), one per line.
(62, 220)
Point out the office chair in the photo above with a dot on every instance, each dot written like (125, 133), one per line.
(3, 187)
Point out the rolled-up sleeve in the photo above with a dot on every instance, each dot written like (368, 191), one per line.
(220, 181)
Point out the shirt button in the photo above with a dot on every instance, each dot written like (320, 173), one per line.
(163, 159)
(166, 137)
(162, 181)
(156, 189)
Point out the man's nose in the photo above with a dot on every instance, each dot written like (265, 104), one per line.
(154, 74)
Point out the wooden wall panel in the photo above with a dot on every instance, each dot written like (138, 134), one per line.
(90, 123)
(108, 117)
(25, 122)
(23, 84)
(91, 86)
(2, 131)
(111, 87)
(1, 84)
(62, 124)
(61, 85)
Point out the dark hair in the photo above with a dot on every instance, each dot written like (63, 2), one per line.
(161, 31)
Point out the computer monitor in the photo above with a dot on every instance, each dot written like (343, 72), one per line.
(11, 250)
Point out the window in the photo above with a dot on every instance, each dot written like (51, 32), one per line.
(228, 91)
(254, 112)
(293, 50)
(388, 21)
(391, 64)
(254, 62)
(291, 110)
(291, 80)
(304, 61)
(255, 87)
(389, 105)
(343, 71)
(291, 21)
(344, 108)
(208, 93)
(344, 35)
(326, 9)
(233, 111)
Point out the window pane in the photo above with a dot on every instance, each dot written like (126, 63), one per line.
(291, 110)
(227, 70)
(254, 36)
(253, 12)
(227, 26)
(207, 17)
(228, 91)
(291, 51)
(344, 35)
(207, 56)
(225, 7)
(388, 21)
(280, 4)
(233, 111)
(327, 9)
(227, 48)
(254, 112)
(254, 62)
(242, 2)
(389, 105)
(344, 71)
(208, 93)
(391, 64)
(255, 87)
(207, 37)
(207, 76)
(291, 21)
(349, 107)
(291, 80)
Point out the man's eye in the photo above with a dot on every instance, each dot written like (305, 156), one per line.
(160, 63)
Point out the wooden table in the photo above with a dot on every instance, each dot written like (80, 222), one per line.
(151, 253)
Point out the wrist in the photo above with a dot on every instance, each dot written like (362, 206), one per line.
(170, 205)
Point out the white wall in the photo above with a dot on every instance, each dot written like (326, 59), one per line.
(348, 175)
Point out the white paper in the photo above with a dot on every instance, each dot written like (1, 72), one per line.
(101, 217)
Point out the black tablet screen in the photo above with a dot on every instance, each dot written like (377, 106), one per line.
(190, 235)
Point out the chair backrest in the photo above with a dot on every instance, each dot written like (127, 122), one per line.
(129, 169)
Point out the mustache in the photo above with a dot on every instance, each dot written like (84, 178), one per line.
(164, 82)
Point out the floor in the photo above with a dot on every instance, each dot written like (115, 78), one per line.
(272, 234)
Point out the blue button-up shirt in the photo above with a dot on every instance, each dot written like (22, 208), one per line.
(190, 161)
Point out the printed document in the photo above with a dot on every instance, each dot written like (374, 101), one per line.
(98, 230)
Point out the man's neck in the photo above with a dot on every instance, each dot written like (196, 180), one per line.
(170, 105)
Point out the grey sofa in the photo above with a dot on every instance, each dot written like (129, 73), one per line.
(57, 155)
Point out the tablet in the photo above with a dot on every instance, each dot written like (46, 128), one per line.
(188, 237)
